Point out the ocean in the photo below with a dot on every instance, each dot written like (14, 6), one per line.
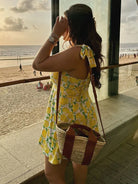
(13, 55)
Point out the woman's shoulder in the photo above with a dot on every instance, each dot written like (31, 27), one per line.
(75, 50)
(81, 49)
(72, 52)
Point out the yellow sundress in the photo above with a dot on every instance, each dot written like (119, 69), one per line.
(75, 106)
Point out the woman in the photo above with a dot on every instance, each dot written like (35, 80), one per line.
(75, 106)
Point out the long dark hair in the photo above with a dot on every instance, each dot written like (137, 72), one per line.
(83, 31)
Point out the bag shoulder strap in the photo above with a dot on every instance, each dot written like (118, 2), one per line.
(96, 101)
(58, 92)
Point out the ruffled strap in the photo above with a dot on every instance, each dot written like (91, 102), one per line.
(86, 51)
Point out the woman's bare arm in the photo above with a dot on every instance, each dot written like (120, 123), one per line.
(63, 61)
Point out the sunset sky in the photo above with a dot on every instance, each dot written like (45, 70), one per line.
(28, 22)
(129, 22)
(24, 22)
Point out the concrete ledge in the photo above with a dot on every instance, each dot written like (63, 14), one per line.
(20, 155)
(119, 109)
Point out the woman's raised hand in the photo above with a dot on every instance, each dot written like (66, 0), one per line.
(60, 27)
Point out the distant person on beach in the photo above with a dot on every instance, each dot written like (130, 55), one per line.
(40, 73)
(20, 67)
(78, 27)
(39, 85)
(34, 72)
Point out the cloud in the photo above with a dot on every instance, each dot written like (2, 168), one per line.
(131, 29)
(31, 5)
(129, 11)
(129, 18)
(12, 24)
(44, 5)
(129, 6)
(1, 9)
(133, 18)
(129, 21)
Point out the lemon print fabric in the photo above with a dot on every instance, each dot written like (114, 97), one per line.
(75, 106)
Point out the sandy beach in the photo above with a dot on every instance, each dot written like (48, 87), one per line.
(13, 73)
(23, 105)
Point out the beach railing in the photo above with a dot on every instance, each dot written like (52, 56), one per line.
(48, 77)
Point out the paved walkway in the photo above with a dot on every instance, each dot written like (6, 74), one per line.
(21, 157)
(119, 167)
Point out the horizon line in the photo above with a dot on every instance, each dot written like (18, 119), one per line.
(42, 44)
(18, 44)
